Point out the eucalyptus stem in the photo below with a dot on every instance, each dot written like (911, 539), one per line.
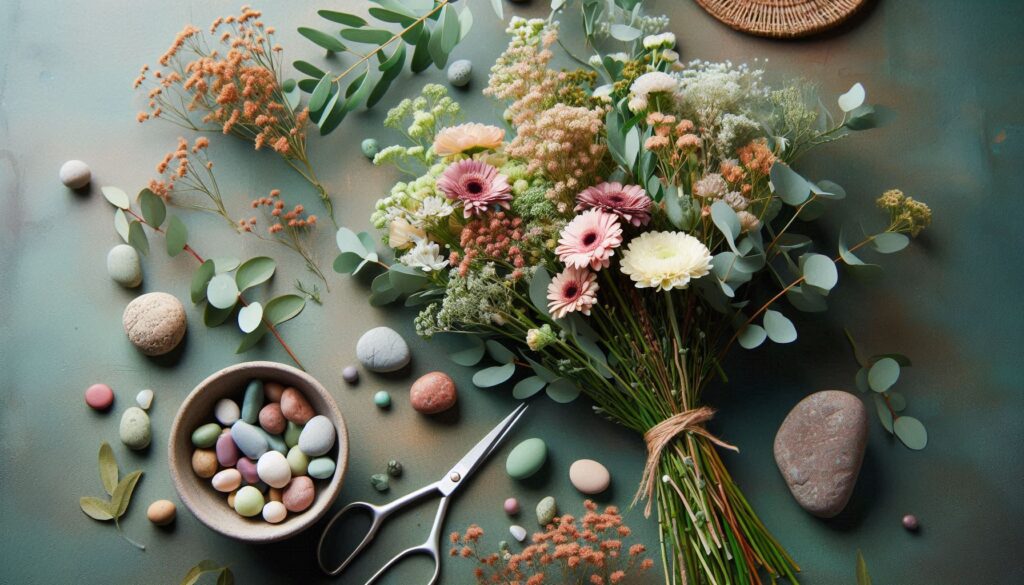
(125, 536)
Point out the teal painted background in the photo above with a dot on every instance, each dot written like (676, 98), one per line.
(952, 71)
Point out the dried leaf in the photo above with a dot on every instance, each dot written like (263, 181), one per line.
(205, 566)
(108, 468)
(96, 508)
(122, 495)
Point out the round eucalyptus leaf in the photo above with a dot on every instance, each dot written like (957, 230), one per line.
(910, 430)
(751, 336)
(562, 391)
(469, 355)
(137, 237)
(778, 327)
(222, 292)
(489, 377)
(225, 264)
(214, 317)
(177, 236)
(890, 242)
(116, 197)
(897, 401)
(255, 271)
(539, 290)
(252, 339)
(884, 415)
(788, 184)
(250, 317)
(625, 33)
(405, 279)
(153, 209)
(121, 224)
(819, 271)
(499, 352)
(527, 387)
(861, 380)
(200, 278)
(883, 374)
(347, 262)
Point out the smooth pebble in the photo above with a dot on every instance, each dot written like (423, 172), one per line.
(317, 436)
(433, 393)
(227, 480)
(135, 431)
(249, 501)
(382, 349)
(274, 512)
(299, 494)
(204, 463)
(249, 439)
(911, 523)
(247, 467)
(273, 469)
(526, 458)
(370, 148)
(272, 391)
(589, 476)
(144, 399)
(272, 420)
(382, 399)
(155, 323)
(517, 532)
(546, 510)
(252, 402)
(297, 461)
(295, 407)
(321, 468)
(162, 512)
(226, 411)
(75, 174)
(227, 450)
(380, 482)
(350, 374)
(275, 494)
(291, 434)
(206, 436)
(275, 442)
(124, 266)
(511, 506)
(460, 72)
(231, 500)
(99, 397)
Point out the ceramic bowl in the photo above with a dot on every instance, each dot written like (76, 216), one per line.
(209, 505)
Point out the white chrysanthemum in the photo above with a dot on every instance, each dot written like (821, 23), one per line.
(648, 83)
(425, 255)
(433, 207)
(665, 260)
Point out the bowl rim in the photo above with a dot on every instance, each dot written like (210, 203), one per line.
(266, 532)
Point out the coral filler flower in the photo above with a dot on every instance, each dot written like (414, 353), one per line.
(467, 139)
(574, 289)
(476, 184)
(665, 260)
(630, 202)
(589, 240)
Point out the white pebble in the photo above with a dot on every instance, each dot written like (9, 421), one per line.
(226, 411)
(274, 512)
(75, 174)
(227, 480)
(144, 398)
(273, 469)
(517, 532)
(124, 266)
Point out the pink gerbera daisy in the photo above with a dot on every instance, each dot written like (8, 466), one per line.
(589, 240)
(630, 202)
(574, 289)
(476, 184)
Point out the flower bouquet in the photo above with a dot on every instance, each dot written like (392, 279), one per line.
(642, 220)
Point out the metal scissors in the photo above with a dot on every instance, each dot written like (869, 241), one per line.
(443, 487)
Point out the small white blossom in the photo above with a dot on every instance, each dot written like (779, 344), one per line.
(425, 255)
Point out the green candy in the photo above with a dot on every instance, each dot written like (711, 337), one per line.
(206, 436)
(382, 399)
(253, 402)
(248, 501)
(321, 468)
(291, 434)
(298, 462)
(526, 458)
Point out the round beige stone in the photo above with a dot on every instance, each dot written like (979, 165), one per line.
(155, 323)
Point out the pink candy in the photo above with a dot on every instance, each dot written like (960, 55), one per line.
(99, 397)
(227, 451)
(247, 467)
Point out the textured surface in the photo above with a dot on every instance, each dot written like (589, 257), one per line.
(819, 450)
(952, 70)
(155, 323)
(782, 18)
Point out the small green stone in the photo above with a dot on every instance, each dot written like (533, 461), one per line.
(380, 482)
(248, 501)
(370, 148)
(526, 458)
(297, 461)
(394, 468)
(291, 434)
(321, 468)
(253, 402)
(382, 399)
(206, 436)
(276, 442)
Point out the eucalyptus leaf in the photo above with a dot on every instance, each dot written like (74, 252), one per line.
(309, 69)
(819, 270)
(250, 317)
(370, 36)
(788, 185)
(322, 39)
(96, 508)
(347, 262)
(545, 374)
(387, 15)
(342, 18)
(499, 352)
(321, 93)
(214, 317)
(176, 237)
(348, 241)
(911, 432)
(108, 468)
(828, 190)
(222, 292)
(424, 297)
(122, 495)
(116, 197)
(324, 117)
(861, 380)
(153, 209)
(727, 222)
(283, 308)
(863, 118)
(406, 279)
(450, 28)
(254, 271)
(883, 374)
(863, 578)
(897, 401)
(632, 147)
(539, 290)
(251, 339)
(751, 336)
(889, 242)
(368, 244)
(490, 377)
(390, 70)
(562, 391)
(421, 59)
(384, 296)
(778, 327)
(137, 237)
(496, 7)
(625, 33)
(226, 577)
(884, 415)
(205, 566)
(200, 278)
(807, 299)
(121, 224)
(471, 355)
(465, 22)
(527, 387)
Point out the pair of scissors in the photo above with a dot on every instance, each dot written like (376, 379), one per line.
(444, 487)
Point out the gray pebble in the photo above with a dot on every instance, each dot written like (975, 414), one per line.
(124, 266)
(350, 374)
(250, 439)
(317, 436)
(135, 430)
(394, 468)
(546, 510)
(75, 174)
(380, 482)
(382, 349)
(460, 72)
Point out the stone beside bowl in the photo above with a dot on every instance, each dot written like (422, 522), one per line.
(209, 505)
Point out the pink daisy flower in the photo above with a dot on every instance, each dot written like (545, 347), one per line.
(476, 184)
(589, 240)
(630, 202)
(574, 289)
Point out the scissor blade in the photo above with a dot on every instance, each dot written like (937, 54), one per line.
(472, 460)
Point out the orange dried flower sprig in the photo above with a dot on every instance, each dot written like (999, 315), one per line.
(288, 227)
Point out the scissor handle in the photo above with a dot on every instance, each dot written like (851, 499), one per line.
(430, 548)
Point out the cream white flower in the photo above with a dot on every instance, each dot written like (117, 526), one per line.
(648, 83)
(425, 255)
(665, 260)
(603, 93)
(433, 207)
(401, 233)
(667, 40)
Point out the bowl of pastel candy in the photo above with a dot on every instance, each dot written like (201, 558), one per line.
(258, 451)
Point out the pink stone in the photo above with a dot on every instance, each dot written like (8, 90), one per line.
(511, 506)
(247, 467)
(433, 393)
(272, 420)
(99, 397)
(299, 494)
(273, 391)
(227, 451)
(295, 407)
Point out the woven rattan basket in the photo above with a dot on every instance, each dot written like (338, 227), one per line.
(781, 18)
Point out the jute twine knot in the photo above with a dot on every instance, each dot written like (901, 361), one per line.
(660, 435)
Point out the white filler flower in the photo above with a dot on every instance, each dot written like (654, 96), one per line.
(425, 255)
(648, 83)
(665, 260)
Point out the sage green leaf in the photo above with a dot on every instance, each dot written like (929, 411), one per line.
(390, 68)
(897, 401)
(631, 147)
(406, 280)
(108, 468)
(200, 278)
(251, 339)
(347, 262)
(368, 244)
(292, 94)
(527, 387)
(225, 264)
(321, 93)
(562, 391)
(499, 352)
(858, 266)
(884, 414)
(807, 299)
(751, 336)
(419, 7)
(819, 271)
(450, 28)
(137, 237)
(788, 242)
(889, 242)
(496, 7)
(96, 508)
(911, 432)
(387, 15)
(863, 118)
(214, 317)
(309, 69)
(359, 89)
(116, 197)
(625, 33)
(421, 55)
(424, 297)
(323, 39)
(283, 308)
(308, 85)
(121, 224)
(197, 571)
(828, 190)
(254, 271)
(437, 54)
(778, 327)
(539, 290)
(153, 209)
(471, 354)
(545, 374)
(788, 185)
(222, 292)
(342, 18)
(863, 578)
(727, 222)
(490, 377)
(176, 237)
(250, 317)
(883, 374)
(465, 22)
(382, 292)
(901, 359)
(226, 577)
(348, 241)
(370, 36)
(122, 495)
(861, 380)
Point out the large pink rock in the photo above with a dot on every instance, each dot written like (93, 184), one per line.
(433, 393)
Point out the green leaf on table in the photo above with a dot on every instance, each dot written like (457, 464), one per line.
(347, 262)
(205, 566)
(727, 222)
(788, 185)
(200, 278)
(382, 292)
(863, 118)
(254, 271)
(368, 244)
(437, 54)
(226, 577)
(283, 308)
(496, 7)
(625, 33)
(122, 495)
(390, 68)
(858, 354)
(153, 209)
(545, 374)
(562, 391)
(884, 414)
(631, 147)
(348, 241)
(322, 39)
(860, 379)
(819, 271)
(450, 29)
(539, 290)
(828, 190)
(421, 59)
(465, 22)
(137, 237)
(121, 224)
(292, 93)
(778, 327)
(499, 352)
(359, 90)
(490, 377)
(225, 264)
(807, 299)
(176, 237)
(321, 93)
(856, 265)
(96, 508)
(911, 432)
(889, 242)
(751, 336)
(527, 387)
(309, 69)
(471, 354)
(419, 7)
(116, 197)
(405, 279)
(424, 297)
(901, 359)
(789, 242)
(108, 468)
(370, 36)
(222, 292)
(863, 578)
(214, 317)
(250, 317)
(883, 374)
(341, 18)
(251, 339)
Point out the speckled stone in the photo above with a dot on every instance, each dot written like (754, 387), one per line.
(460, 72)
(546, 511)
(135, 431)
(433, 393)
(819, 450)
(370, 148)
(155, 323)
(382, 349)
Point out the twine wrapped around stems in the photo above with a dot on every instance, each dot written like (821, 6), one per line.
(660, 435)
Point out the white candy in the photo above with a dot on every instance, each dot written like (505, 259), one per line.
(273, 469)
(274, 512)
(517, 532)
(226, 411)
(144, 398)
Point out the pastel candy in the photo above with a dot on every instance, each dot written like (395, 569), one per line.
(75, 174)
(206, 436)
(274, 512)
(135, 430)
(227, 450)
(227, 480)
(291, 434)
(247, 467)
(99, 397)
(318, 436)
(295, 407)
(226, 411)
(299, 494)
(589, 476)
(273, 469)
(321, 468)
(517, 532)
(272, 420)
(273, 391)
(526, 458)
(253, 401)
(297, 461)
(460, 72)
(249, 439)
(249, 501)
(204, 463)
